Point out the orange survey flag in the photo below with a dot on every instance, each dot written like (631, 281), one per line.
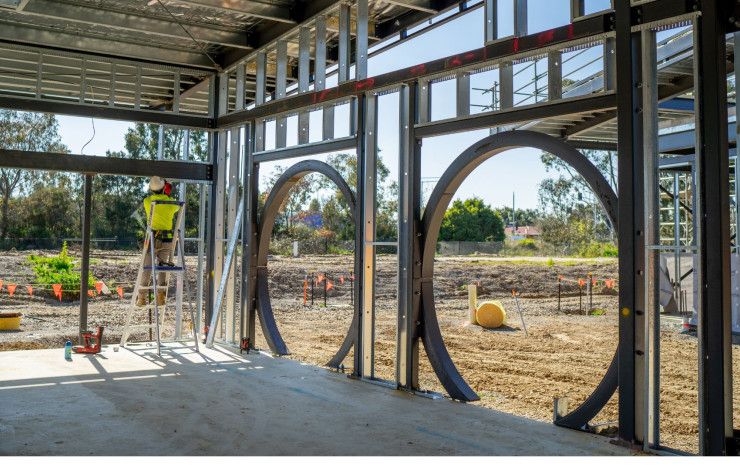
(89, 292)
(320, 278)
(30, 290)
(57, 291)
(11, 289)
(99, 286)
(329, 285)
(581, 282)
(1, 284)
(120, 292)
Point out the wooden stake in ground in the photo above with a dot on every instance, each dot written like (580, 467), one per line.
(312, 286)
(472, 303)
(515, 294)
(560, 283)
(590, 292)
(324, 289)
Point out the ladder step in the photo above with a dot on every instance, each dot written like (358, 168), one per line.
(164, 268)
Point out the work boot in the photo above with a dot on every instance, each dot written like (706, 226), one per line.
(141, 299)
(161, 298)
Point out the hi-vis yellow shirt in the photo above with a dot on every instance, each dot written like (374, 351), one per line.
(164, 214)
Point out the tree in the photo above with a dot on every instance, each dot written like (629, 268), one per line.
(24, 131)
(523, 216)
(569, 198)
(569, 190)
(471, 220)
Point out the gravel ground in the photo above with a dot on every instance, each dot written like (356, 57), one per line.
(565, 352)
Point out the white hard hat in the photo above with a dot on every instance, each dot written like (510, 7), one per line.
(156, 183)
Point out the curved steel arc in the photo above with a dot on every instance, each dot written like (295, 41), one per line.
(274, 201)
(440, 199)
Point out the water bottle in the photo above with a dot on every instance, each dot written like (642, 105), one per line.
(68, 350)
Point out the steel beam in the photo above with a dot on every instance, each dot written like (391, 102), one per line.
(264, 10)
(15, 33)
(133, 23)
(74, 108)
(327, 146)
(592, 103)
(51, 161)
(713, 226)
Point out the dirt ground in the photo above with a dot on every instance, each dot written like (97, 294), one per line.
(564, 353)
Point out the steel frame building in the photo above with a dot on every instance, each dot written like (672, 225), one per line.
(240, 69)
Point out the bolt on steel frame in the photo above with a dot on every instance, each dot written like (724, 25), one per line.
(559, 121)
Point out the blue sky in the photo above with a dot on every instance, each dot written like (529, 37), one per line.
(517, 171)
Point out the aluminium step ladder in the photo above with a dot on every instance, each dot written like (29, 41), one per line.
(159, 311)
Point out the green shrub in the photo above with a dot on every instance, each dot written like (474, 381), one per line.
(527, 244)
(59, 269)
(598, 250)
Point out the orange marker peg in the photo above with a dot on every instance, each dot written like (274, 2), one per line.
(120, 292)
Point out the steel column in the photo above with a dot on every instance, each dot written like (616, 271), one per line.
(715, 330)
(344, 42)
(85, 265)
(367, 155)
(610, 64)
(631, 239)
(250, 182)
(319, 81)
(554, 75)
(409, 257)
(490, 19)
(304, 61)
(506, 85)
(281, 83)
(520, 18)
(463, 94)
(259, 98)
(361, 40)
(648, 399)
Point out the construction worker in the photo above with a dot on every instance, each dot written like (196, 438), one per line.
(163, 224)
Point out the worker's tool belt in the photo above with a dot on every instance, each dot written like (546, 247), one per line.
(163, 235)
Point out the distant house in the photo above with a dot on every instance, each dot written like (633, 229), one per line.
(525, 231)
(311, 219)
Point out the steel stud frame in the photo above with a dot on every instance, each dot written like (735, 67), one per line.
(630, 92)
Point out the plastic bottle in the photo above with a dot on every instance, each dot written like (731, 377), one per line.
(68, 350)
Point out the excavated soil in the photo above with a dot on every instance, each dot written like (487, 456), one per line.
(564, 352)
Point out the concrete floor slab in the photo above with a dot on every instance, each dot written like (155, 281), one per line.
(131, 402)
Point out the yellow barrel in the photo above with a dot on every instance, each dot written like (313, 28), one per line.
(490, 314)
(10, 321)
